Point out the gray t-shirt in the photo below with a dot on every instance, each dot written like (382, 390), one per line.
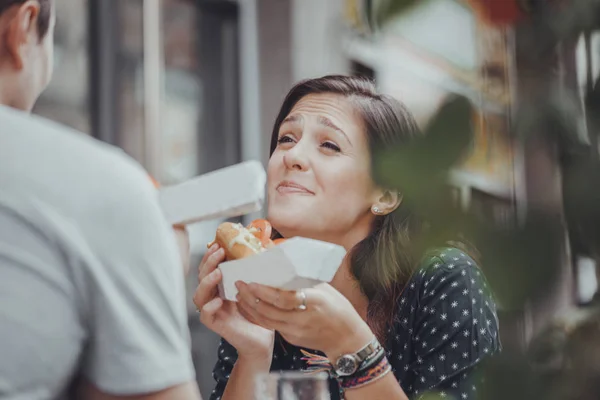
(91, 282)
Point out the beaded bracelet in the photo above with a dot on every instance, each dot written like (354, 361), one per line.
(363, 377)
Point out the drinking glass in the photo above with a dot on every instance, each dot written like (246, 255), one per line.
(292, 385)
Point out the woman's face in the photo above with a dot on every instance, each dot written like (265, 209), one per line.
(319, 182)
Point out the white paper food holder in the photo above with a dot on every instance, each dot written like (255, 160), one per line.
(224, 193)
(295, 264)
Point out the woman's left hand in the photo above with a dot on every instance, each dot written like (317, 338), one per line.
(329, 323)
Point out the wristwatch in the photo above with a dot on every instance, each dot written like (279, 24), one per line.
(348, 364)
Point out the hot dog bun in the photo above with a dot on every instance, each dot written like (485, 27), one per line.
(239, 241)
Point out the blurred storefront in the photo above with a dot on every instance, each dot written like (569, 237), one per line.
(423, 67)
(67, 99)
(157, 78)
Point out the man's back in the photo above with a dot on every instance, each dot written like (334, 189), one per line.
(90, 279)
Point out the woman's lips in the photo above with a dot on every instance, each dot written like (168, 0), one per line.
(290, 187)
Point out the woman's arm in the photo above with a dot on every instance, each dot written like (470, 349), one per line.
(241, 338)
(453, 327)
(329, 324)
(242, 381)
(454, 330)
(386, 387)
(236, 375)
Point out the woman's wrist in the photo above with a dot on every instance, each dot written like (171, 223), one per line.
(367, 373)
(350, 343)
(243, 378)
(259, 360)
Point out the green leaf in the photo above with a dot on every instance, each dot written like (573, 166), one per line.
(523, 262)
(419, 168)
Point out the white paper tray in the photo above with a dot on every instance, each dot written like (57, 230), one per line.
(297, 263)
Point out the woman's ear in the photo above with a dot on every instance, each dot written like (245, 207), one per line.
(386, 202)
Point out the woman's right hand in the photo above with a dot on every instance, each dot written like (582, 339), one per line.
(223, 317)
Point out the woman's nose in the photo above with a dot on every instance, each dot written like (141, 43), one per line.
(296, 158)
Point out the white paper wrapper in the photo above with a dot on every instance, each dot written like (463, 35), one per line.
(225, 193)
(297, 263)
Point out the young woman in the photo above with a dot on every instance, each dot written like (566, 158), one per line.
(389, 325)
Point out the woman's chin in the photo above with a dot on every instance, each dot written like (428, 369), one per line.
(288, 224)
(286, 229)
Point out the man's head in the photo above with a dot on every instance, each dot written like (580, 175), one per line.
(26, 50)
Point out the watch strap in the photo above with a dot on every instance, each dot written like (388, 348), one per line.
(362, 356)
(372, 358)
(369, 350)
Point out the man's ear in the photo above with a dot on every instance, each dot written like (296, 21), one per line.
(21, 30)
(386, 202)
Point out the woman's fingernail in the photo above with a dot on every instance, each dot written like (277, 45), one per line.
(213, 247)
(238, 297)
(239, 285)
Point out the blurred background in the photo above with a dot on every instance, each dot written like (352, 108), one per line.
(190, 86)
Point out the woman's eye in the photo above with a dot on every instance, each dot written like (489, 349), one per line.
(331, 146)
(284, 139)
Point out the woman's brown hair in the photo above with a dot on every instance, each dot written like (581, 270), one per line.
(383, 261)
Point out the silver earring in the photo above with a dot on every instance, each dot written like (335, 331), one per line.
(375, 210)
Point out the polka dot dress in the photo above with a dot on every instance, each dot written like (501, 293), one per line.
(446, 326)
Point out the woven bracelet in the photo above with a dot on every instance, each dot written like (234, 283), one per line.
(370, 375)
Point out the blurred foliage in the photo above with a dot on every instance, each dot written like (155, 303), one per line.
(518, 261)
(554, 21)
(382, 11)
(521, 261)
(581, 174)
(413, 167)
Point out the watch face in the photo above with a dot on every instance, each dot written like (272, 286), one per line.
(346, 365)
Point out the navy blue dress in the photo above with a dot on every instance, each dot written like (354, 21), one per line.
(446, 326)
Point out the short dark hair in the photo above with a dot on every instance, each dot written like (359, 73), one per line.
(382, 262)
(43, 18)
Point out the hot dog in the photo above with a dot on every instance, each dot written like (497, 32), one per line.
(261, 228)
(239, 241)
